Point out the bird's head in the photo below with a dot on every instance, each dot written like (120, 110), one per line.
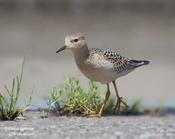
(75, 41)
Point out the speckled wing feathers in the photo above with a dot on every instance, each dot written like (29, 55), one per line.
(120, 63)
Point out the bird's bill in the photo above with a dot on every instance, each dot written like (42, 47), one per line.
(62, 48)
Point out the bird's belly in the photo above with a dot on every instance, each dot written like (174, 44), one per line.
(98, 74)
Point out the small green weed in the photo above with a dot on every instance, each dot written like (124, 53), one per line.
(137, 109)
(134, 109)
(9, 98)
(73, 100)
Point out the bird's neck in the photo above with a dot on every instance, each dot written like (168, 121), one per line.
(81, 54)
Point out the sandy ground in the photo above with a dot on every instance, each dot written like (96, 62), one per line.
(112, 127)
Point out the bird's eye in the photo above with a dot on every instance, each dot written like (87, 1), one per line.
(75, 40)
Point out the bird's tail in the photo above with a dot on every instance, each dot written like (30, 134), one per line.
(138, 63)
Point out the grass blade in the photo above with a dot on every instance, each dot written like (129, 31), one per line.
(8, 106)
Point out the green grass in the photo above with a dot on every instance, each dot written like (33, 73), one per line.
(10, 97)
(72, 99)
(134, 109)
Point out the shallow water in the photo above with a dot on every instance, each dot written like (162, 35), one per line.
(139, 35)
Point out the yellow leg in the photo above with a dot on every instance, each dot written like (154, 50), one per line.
(99, 114)
(119, 99)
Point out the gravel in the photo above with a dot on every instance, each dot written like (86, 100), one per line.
(109, 127)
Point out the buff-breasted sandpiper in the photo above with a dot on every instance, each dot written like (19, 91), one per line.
(101, 65)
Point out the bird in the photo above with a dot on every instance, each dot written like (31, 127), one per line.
(101, 65)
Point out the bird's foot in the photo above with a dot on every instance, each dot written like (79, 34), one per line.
(97, 115)
(118, 105)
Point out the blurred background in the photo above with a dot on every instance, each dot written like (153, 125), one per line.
(140, 29)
